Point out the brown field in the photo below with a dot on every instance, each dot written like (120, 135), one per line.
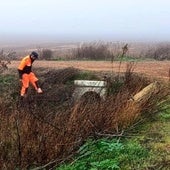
(157, 69)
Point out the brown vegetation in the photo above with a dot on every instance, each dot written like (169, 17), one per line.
(49, 128)
(4, 64)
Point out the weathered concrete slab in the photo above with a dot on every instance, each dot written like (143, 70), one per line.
(83, 86)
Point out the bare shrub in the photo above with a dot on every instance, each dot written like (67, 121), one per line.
(93, 51)
(5, 60)
(10, 55)
(45, 54)
(160, 52)
(124, 49)
(134, 82)
(4, 64)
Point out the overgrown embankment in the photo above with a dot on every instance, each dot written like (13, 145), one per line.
(145, 146)
(50, 128)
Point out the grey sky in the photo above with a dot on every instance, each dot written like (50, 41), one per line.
(138, 20)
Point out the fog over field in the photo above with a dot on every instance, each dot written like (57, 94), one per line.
(25, 42)
(29, 39)
(50, 23)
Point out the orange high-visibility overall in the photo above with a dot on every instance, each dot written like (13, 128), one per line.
(26, 74)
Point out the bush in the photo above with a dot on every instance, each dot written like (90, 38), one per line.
(161, 52)
(95, 51)
(46, 54)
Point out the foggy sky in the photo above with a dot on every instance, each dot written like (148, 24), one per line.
(84, 20)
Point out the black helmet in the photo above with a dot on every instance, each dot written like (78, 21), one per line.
(35, 54)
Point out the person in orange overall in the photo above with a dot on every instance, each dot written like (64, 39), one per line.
(26, 75)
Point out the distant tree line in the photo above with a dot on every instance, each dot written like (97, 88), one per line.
(102, 51)
(95, 51)
(160, 52)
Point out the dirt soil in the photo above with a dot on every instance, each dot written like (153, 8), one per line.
(157, 69)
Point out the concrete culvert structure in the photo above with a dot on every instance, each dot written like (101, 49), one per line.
(90, 90)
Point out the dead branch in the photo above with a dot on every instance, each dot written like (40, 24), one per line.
(110, 135)
(4, 64)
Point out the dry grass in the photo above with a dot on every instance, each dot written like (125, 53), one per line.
(44, 133)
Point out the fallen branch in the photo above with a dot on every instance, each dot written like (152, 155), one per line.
(110, 135)
(52, 162)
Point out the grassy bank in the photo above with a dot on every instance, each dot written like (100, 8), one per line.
(146, 146)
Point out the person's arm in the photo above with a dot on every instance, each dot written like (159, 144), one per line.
(21, 67)
(20, 72)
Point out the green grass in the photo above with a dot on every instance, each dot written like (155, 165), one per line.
(165, 115)
(109, 154)
(7, 83)
(9, 90)
(147, 148)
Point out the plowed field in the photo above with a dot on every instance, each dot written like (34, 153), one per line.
(159, 69)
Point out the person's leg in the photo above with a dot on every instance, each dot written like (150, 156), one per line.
(25, 85)
(39, 90)
(34, 82)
